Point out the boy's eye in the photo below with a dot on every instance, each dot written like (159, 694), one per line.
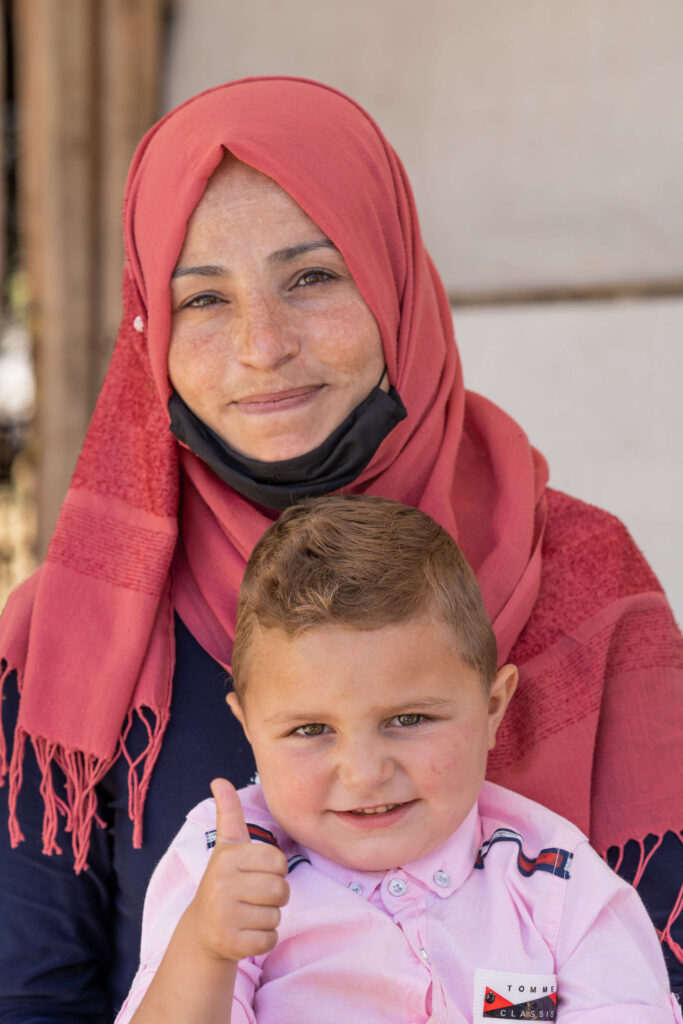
(312, 729)
(407, 720)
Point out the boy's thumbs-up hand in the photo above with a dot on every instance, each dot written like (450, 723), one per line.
(230, 824)
(236, 907)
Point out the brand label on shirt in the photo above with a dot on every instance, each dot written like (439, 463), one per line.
(513, 995)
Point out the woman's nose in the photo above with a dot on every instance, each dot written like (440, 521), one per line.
(264, 336)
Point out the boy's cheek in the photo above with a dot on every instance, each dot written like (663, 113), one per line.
(287, 784)
(458, 755)
(437, 769)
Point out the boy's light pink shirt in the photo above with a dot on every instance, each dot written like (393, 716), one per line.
(447, 938)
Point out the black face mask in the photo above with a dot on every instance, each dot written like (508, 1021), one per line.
(335, 463)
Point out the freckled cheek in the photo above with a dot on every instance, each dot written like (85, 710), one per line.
(199, 365)
(335, 342)
(346, 341)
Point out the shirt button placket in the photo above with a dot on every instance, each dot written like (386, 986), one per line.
(397, 887)
(396, 893)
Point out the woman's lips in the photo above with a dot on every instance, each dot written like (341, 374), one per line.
(278, 401)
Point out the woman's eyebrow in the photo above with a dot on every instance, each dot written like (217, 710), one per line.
(279, 256)
(292, 251)
(205, 271)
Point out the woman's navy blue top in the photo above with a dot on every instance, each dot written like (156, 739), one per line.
(69, 944)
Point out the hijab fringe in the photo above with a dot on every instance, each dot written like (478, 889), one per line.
(138, 786)
(665, 935)
(643, 861)
(82, 773)
(5, 671)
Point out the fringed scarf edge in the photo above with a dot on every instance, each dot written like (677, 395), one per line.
(82, 773)
(648, 846)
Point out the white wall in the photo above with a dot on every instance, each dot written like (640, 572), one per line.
(597, 388)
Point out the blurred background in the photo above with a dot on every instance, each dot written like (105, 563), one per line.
(544, 142)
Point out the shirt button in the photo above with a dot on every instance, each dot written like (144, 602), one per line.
(356, 887)
(442, 878)
(425, 955)
(397, 887)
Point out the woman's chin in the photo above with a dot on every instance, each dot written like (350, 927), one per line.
(265, 440)
(278, 448)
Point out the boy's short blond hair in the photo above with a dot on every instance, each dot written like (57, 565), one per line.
(360, 562)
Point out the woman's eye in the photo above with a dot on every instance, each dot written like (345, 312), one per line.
(408, 720)
(200, 301)
(313, 277)
(313, 729)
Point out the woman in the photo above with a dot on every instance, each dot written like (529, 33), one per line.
(283, 316)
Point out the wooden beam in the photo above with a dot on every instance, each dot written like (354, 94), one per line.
(57, 157)
(3, 175)
(87, 89)
(130, 47)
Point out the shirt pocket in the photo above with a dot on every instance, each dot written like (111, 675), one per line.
(513, 996)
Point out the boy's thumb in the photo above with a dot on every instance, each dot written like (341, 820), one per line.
(230, 824)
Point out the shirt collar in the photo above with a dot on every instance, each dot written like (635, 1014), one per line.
(441, 871)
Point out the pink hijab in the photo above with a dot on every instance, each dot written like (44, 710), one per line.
(147, 528)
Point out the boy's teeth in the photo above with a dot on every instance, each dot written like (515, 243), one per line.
(375, 810)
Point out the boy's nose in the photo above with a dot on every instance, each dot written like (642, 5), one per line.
(363, 769)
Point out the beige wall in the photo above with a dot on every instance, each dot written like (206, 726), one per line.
(543, 138)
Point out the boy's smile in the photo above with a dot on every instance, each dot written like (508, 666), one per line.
(371, 745)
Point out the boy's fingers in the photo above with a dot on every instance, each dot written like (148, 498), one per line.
(230, 824)
(255, 943)
(263, 889)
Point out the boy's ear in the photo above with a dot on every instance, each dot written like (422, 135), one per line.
(500, 693)
(236, 708)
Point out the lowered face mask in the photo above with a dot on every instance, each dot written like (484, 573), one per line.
(338, 461)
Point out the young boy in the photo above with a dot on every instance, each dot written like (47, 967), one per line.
(366, 680)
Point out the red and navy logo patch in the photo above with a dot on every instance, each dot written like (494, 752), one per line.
(513, 996)
(552, 859)
(261, 835)
(257, 832)
(497, 1007)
